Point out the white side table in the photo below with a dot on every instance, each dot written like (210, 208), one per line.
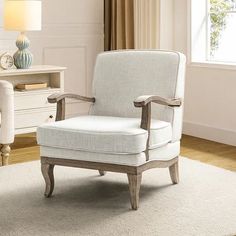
(31, 107)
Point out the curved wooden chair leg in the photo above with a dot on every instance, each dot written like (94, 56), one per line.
(134, 188)
(101, 172)
(47, 171)
(174, 173)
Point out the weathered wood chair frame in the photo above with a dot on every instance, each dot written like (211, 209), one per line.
(134, 173)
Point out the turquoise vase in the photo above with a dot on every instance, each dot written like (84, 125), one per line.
(23, 58)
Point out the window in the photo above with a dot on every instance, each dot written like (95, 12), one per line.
(213, 31)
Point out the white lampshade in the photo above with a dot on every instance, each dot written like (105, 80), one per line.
(22, 15)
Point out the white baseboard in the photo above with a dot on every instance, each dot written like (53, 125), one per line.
(210, 133)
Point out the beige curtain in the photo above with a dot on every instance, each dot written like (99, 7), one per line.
(119, 24)
(132, 24)
(147, 24)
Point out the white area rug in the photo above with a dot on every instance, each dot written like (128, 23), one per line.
(204, 203)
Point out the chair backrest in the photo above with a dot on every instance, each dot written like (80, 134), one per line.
(122, 76)
(6, 112)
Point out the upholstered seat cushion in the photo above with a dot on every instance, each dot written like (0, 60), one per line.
(103, 134)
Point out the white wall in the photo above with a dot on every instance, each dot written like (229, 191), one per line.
(210, 99)
(71, 36)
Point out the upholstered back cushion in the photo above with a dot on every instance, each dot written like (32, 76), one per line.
(122, 76)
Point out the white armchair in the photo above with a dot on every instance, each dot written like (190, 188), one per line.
(116, 135)
(6, 120)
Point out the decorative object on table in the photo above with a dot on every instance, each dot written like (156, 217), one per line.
(6, 61)
(22, 16)
(31, 86)
(6, 121)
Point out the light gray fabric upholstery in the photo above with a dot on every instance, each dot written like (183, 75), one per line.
(111, 133)
(164, 153)
(122, 76)
(103, 134)
(6, 113)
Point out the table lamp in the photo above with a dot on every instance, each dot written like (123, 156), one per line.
(22, 15)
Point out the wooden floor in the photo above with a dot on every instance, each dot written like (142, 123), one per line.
(221, 155)
(206, 151)
(24, 149)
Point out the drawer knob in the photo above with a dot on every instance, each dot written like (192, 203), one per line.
(51, 116)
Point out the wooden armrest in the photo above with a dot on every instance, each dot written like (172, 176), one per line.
(60, 98)
(144, 100)
(56, 97)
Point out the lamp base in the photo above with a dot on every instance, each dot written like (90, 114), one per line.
(23, 58)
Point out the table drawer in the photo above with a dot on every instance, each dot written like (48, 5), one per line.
(34, 117)
(33, 99)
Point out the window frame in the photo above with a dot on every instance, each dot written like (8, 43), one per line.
(202, 60)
